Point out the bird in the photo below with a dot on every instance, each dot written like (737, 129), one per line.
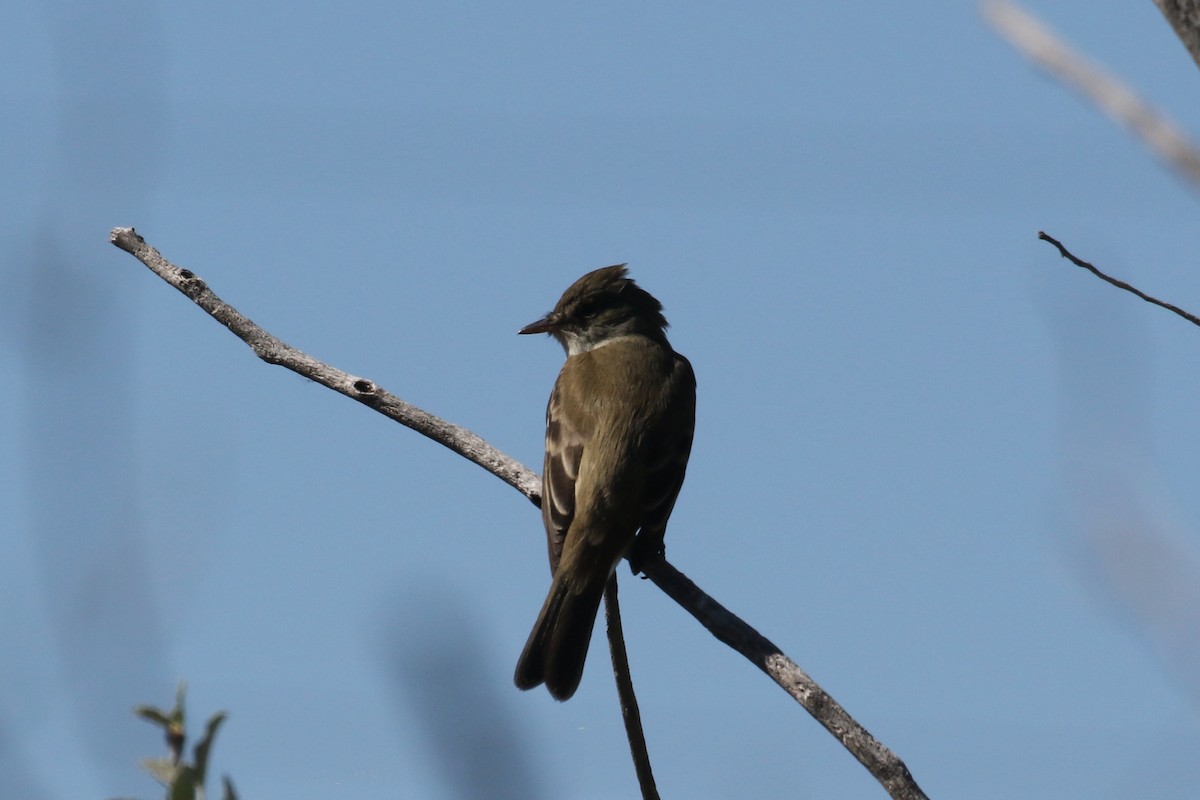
(619, 429)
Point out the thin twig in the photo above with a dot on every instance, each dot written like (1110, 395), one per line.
(728, 628)
(1120, 284)
(629, 706)
(1042, 46)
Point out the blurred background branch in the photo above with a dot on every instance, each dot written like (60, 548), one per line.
(1048, 51)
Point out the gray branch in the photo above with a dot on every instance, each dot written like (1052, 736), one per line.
(274, 351)
(881, 762)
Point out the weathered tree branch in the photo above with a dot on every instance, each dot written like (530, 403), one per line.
(1120, 284)
(1029, 35)
(762, 653)
(274, 351)
(884, 765)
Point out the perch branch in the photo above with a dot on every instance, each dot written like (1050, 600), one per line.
(881, 762)
(1120, 284)
(884, 765)
(274, 351)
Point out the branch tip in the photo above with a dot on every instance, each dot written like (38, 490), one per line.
(125, 238)
(1062, 251)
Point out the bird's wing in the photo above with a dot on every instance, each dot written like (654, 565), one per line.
(666, 464)
(564, 450)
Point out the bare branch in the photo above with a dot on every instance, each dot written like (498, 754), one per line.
(1026, 33)
(1184, 16)
(273, 351)
(881, 762)
(727, 627)
(1120, 284)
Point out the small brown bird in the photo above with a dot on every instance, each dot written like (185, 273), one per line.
(618, 434)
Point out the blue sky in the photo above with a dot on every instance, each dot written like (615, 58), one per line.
(946, 472)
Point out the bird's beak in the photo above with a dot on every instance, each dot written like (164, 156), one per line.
(543, 325)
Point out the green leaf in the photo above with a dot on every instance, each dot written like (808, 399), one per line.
(154, 715)
(200, 752)
(185, 784)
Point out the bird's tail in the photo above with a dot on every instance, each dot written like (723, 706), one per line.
(558, 645)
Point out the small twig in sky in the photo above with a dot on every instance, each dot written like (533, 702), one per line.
(1120, 284)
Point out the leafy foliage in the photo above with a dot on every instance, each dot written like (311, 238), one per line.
(183, 780)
